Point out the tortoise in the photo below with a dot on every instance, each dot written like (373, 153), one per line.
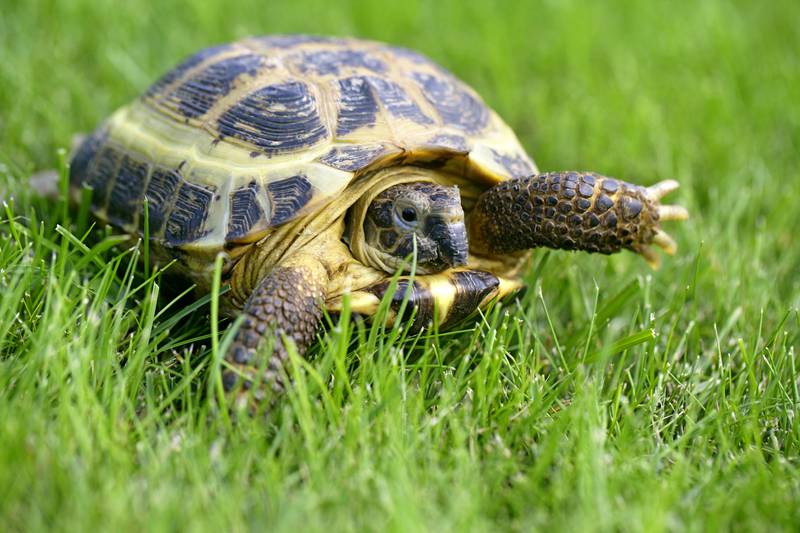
(320, 167)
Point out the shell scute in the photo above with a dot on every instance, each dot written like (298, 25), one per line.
(128, 191)
(276, 118)
(354, 157)
(453, 102)
(449, 141)
(287, 197)
(184, 67)
(84, 157)
(187, 219)
(160, 190)
(471, 288)
(102, 173)
(196, 95)
(517, 165)
(245, 213)
(397, 101)
(323, 62)
(357, 105)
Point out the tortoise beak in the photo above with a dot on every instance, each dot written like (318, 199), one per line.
(451, 237)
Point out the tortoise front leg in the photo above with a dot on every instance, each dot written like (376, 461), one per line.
(573, 211)
(287, 303)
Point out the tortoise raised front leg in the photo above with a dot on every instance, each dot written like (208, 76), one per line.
(573, 211)
(286, 303)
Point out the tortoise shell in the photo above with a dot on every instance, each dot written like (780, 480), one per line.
(244, 137)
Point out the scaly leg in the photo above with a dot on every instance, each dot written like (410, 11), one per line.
(573, 211)
(286, 303)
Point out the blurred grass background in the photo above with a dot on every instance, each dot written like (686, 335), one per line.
(563, 412)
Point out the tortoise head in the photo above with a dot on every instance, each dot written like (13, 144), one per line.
(421, 214)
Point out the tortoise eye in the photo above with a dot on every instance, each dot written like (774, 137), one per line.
(409, 214)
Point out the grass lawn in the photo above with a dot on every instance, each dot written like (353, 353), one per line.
(609, 397)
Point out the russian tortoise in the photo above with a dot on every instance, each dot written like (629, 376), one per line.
(319, 167)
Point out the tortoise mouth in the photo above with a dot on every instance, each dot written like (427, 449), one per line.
(450, 233)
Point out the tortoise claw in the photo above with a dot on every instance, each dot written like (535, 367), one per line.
(666, 212)
(665, 242)
(661, 189)
(672, 212)
(652, 257)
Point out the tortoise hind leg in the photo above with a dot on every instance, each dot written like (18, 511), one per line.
(286, 304)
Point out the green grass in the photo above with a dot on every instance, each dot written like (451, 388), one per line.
(608, 397)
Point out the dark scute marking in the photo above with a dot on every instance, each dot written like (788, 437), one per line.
(289, 41)
(176, 73)
(357, 105)
(128, 191)
(352, 157)
(419, 300)
(196, 95)
(516, 165)
(160, 189)
(450, 142)
(288, 197)
(454, 103)
(102, 173)
(395, 99)
(276, 118)
(84, 157)
(331, 61)
(472, 286)
(245, 211)
(188, 216)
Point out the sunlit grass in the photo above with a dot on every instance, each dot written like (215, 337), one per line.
(606, 397)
